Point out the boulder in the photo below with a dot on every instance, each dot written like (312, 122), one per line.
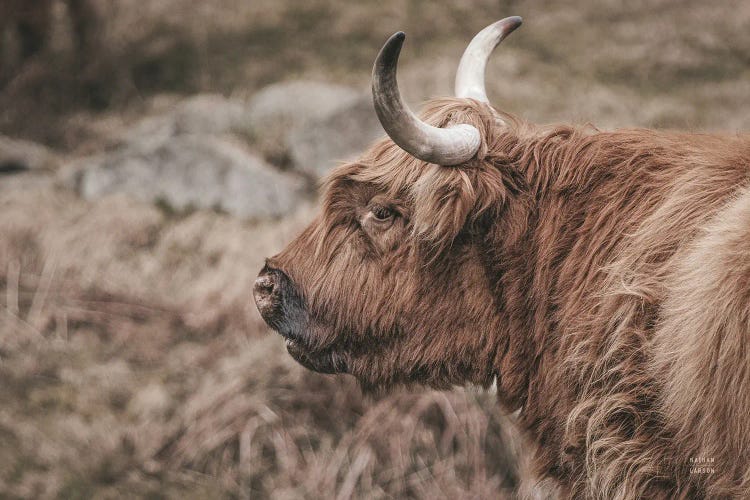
(210, 114)
(17, 155)
(202, 114)
(192, 172)
(340, 136)
(275, 111)
(294, 103)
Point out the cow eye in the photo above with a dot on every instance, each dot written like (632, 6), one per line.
(381, 213)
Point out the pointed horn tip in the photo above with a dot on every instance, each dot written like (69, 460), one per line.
(396, 39)
(388, 55)
(509, 24)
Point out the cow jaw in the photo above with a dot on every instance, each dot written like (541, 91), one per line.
(320, 361)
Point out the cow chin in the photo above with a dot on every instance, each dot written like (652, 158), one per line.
(326, 361)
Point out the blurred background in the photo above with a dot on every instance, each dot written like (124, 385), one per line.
(153, 153)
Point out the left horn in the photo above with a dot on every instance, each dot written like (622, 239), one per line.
(470, 74)
(443, 146)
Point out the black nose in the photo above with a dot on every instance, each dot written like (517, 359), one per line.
(280, 303)
(265, 284)
(267, 294)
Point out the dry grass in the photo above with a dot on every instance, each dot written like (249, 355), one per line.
(133, 362)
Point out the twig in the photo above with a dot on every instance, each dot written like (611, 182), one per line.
(12, 286)
(40, 297)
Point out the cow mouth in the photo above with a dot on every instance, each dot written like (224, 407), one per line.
(319, 361)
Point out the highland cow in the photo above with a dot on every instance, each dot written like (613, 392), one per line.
(601, 279)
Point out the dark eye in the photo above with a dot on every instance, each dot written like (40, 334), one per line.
(381, 213)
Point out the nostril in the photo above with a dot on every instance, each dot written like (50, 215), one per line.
(267, 296)
(277, 301)
(265, 284)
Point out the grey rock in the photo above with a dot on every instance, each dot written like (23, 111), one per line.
(17, 155)
(294, 103)
(277, 110)
(341, 136)
(201, 114)
(189, 171)
(210, 114)
(186, 158)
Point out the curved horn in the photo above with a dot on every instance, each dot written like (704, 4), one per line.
(470, 74)
(443, 146)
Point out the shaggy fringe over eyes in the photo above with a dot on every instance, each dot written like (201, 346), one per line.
(445, 199)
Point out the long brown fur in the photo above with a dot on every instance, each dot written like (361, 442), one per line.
(601, 278)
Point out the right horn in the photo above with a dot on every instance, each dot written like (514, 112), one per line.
(470, 74)
(443, 146)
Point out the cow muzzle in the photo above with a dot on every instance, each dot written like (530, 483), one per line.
(276, 298)
(267, 294)
(283, 309)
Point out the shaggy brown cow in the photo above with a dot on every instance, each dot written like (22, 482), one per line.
(601, 278)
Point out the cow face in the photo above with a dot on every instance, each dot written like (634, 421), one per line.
(388, 283)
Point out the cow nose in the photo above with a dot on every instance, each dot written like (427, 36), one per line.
(267, 294)
(265, 285)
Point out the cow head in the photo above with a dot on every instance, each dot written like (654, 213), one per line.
(388, 283)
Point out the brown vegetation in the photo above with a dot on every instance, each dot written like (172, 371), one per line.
(128, 369)
(131, 358)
